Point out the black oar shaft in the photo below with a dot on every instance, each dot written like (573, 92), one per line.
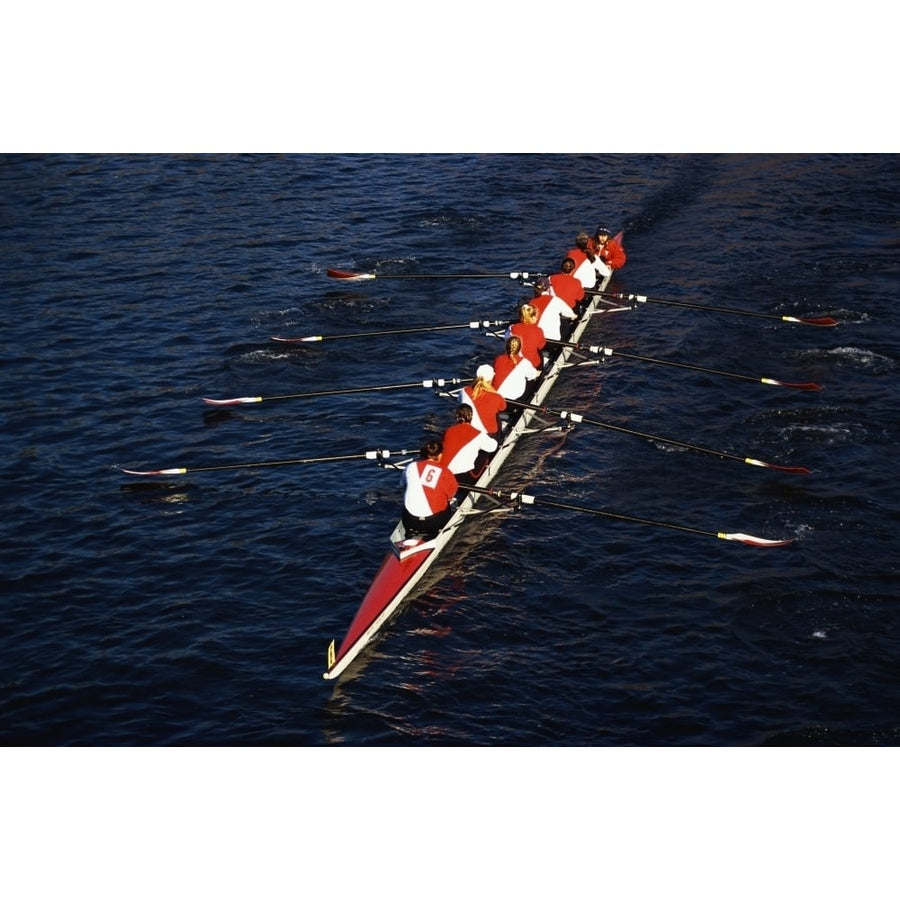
(577, 417)
(528, 499)
(362, 334)
(184, 470)
(427, 383)
(609, 351)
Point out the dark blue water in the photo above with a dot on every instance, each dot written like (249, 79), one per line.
(196, 610)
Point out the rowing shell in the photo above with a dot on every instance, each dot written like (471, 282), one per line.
(408, 560)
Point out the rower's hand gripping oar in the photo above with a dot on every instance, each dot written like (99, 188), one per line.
(427, 383)
(642, 298)
(361, 334)
(577, 417)
(609, 351)
(371, 276)
(521, 498)
(380, 455)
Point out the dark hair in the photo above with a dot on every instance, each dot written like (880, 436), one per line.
(463, 413)
(431, 449)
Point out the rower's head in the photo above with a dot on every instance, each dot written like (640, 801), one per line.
(581, 240)
(484, 373)
(513, 345)
(432, 450)
(528, 313)
(463, 413)
(568, 265)
(601, 235)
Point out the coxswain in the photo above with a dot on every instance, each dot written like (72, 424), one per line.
(466, 448)
(590, 270)
(608, 248)
(533, 339)
(565, 285)
(551, 311)
(429, 498)
(512, 371)
(486, 402)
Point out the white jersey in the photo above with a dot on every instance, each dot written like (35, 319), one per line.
(590, 273)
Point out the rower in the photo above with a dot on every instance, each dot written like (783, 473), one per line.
(486, 402)
(466, 448)
(551, 311)
(565, 285)
(590, 270)
(429, 499)
(513, 372)
(608, 248)
(533, 339)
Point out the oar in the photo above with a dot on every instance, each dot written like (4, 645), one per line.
(577, 417)
(609, 351)
(418, 329)
(369, 454)
(369, 276)
(641, 298)
(430, 382)
(519, 497)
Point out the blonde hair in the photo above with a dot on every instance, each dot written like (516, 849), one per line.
(528, 313)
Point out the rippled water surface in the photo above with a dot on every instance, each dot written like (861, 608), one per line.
(197, 609)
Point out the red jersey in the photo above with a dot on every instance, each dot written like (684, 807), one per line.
(551, 311)
(567, 287)
(462, 442)
(429, 488)
(577, 256)
(511, 377)
(484, 409)
(612, 253)
(533, 341)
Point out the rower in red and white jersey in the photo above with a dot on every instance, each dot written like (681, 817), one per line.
(590, 270)
(466, 447)
(533, 339)
(608, 248)
(551, 312)
(565, 285)
(486, 402)
(430, 492)
(512, 371)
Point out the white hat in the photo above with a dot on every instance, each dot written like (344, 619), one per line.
(485, 372)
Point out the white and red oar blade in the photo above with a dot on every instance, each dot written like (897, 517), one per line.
(156, 472)
(349, 276)
(234, 401)
(753, 541)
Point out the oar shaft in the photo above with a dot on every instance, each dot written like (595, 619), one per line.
(528, 499)
(609, 351)
(643, 298)
(427, 383)
(577, 417)
(361, 334)
(370, 276)
(368, 454)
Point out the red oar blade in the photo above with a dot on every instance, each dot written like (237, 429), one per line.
(800, 386)
(349, 276)
(794, 470)
(803, 320)
(752, 541)
(234, 401)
